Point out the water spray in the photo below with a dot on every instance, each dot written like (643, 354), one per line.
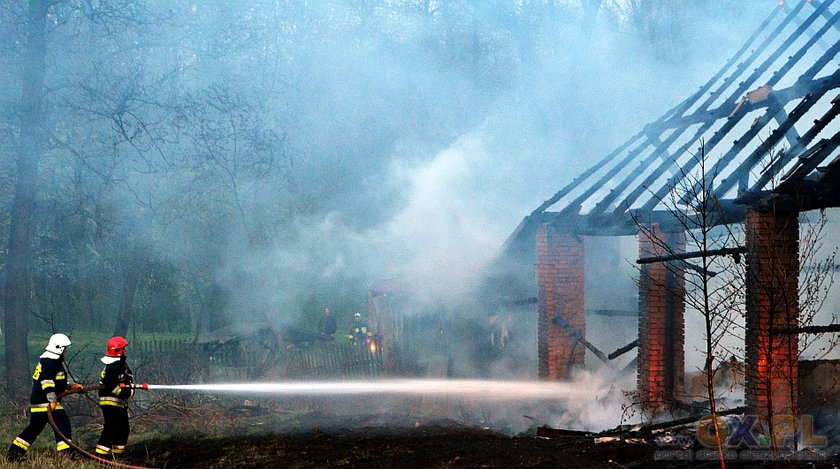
(482, 390)
(486, 390)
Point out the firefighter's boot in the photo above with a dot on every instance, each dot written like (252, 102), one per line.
(118, 452)
(16, 453)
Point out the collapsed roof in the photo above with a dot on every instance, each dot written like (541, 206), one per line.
(765, 124)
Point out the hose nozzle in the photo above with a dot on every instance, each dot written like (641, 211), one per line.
(143, 386)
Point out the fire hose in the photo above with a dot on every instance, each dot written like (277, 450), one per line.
(76, 447)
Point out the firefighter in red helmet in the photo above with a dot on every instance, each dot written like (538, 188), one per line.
(113, 398)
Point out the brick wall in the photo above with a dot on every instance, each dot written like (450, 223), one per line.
(559, 293)
(661, 374)
(772, 304)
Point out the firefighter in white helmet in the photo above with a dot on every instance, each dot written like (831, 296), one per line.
(48, 382)
(358, 329)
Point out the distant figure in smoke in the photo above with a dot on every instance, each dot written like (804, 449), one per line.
(113, 399)
(326, 324)
(359, 329)
(48, 382)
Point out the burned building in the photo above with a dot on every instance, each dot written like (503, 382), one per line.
(759, 140)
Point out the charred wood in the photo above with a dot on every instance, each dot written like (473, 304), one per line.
(687, 420)
(697, 268)
(736, 251)
(612, 312)
(810, 329)
(561, 321)
(621, 351)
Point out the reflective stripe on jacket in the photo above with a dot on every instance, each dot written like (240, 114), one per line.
(49, 376)
(113, 375)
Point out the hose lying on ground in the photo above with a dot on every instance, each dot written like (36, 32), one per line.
(73, 445)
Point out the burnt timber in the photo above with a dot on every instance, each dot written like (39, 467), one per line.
(692, 255)
(759, 142)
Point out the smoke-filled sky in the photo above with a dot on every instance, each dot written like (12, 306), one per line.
(468, 156)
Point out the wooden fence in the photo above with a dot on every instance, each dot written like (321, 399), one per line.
(165, 360)
(153, 348)
(332, 360)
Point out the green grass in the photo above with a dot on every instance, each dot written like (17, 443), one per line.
(42, 453)
(47, 460)
(200, 416)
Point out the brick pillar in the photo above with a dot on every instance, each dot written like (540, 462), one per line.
(772, 287)
(559, 293)
(661, 376)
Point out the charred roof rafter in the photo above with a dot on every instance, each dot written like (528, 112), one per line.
(756, 139)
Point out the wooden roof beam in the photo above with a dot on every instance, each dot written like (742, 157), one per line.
(817, 4)
(668, 163)
(804, 140)
(765, 147)
(677, 110)
(733, 120)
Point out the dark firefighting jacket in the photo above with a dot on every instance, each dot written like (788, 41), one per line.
(114, 374)
(359, 330)
(49, 376)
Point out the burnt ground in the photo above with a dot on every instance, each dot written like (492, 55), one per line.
(428, 446)
(425, 447)
(299, 434)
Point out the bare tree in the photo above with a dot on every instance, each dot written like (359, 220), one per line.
(231, 148)
(39, 24)
(696, 212)
(791, 285)
(17, 290)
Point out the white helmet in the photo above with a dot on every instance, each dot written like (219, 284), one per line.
(56, 346)
(357, 316)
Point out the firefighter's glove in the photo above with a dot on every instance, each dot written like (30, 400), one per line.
(78, 388)
(52, 398)
(52, 405)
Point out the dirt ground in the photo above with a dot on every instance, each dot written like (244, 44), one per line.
(424, 447)
(427, 446)
(304, 433)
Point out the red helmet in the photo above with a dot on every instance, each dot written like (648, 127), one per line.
(116, 346)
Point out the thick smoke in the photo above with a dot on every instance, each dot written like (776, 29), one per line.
(442, 238)
(432, 206)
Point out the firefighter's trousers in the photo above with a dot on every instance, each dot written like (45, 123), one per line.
(115, 430)
(37, 421)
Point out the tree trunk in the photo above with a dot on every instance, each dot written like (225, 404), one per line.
(131, 277)
(17, 290)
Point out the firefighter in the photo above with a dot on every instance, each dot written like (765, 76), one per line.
(48, 382)
(113, 398)
(359, 328)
